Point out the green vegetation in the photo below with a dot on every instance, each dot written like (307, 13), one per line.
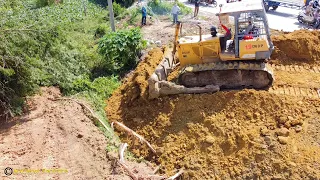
(42, 3)
(57, 44)
(120, 50)
(163, 8)
(46, 46)
(104, 3)
(117, 9)
(96, 92)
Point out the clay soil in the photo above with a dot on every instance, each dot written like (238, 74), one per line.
(239, 134)
(298, 47)
(58, 135)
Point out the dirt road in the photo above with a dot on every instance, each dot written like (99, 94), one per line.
(56, 140)
(284, 18)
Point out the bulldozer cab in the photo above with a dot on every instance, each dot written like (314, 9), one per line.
(251, 39)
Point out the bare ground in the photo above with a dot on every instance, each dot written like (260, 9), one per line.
(239, 134)
(58, 135)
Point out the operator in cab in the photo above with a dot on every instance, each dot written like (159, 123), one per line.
(249, 27)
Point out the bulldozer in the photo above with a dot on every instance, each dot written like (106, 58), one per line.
(212, 62)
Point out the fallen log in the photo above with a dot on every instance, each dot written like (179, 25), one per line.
(176, 175)
(130, 131)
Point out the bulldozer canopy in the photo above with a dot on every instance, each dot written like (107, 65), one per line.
(243, 6)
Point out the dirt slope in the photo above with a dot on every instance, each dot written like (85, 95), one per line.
(298, 47)
(55, 135)
(227, 135)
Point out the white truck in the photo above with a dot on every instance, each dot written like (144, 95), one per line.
(274, 4)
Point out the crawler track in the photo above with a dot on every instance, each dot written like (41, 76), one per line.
(228, 75)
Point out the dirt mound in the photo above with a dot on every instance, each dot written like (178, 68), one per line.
(297, 47)
(246, 134)
(136, 85)
(228, 134)
(57, 135)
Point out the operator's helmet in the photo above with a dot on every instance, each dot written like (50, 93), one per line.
(310, 3)
(213, 31)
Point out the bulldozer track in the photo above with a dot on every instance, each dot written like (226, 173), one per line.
(228, 75)
(296, 91)
(296, 68)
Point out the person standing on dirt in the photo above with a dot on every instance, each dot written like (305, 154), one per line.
(175, 11)
(316, 4)
(196, 8)
(144, 16)
(316, 17)
(309, 8)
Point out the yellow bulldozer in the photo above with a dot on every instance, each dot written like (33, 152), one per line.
(234, 60)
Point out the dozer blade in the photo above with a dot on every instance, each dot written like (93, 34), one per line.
(228, 75)
(159, 86)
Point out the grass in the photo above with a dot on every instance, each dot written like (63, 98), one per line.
(164, 8)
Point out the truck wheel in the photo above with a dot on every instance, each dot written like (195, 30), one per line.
(214, 4)
(300, 19)
(266, 7)
(274, 7)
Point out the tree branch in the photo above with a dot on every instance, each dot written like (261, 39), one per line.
(176, 175)
(141, 139)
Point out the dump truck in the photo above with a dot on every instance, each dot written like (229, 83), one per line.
(215, 61)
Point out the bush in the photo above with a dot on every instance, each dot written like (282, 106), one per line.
(44, 47)
(163, 8)
(101, 30)
(103, 86)
(43, 3)
(104, 3)
(120, 49)
(134, 15)
(125, 3)
(117, 9)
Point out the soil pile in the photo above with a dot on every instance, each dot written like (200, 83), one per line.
(235, 134)
(297, 47)
(136, 85)
(245, 134)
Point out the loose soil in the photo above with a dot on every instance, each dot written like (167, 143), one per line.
(298, 47)
(58, 135)
(239, 134)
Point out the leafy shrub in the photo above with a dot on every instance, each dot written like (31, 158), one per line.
(104, 3)
(101, 30)
(43, 3)
(120, 49)
(184, 8)
(117, 9)
(134, 15)
(18, 68)
(163, 8)
(103, 86)
(125, 3)
(46, 46)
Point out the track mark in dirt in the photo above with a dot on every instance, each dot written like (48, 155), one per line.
(296, 91)
(296, 68)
